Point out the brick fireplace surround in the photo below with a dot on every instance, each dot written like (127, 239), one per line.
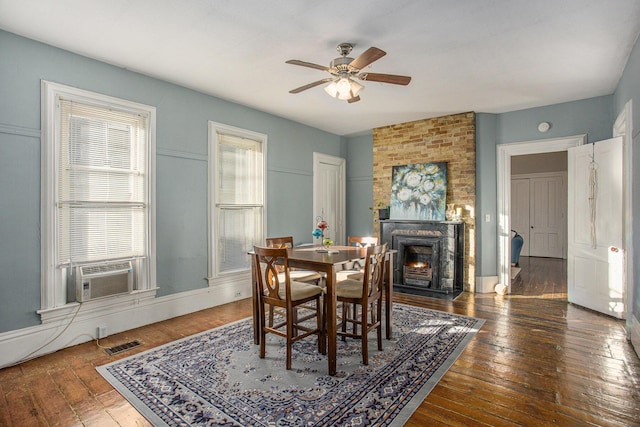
(448, 139)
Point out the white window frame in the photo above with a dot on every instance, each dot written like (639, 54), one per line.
(216, 129)
(53, 280)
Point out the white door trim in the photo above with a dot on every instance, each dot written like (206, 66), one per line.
(623, 127)
(504, 153)
(342, 164)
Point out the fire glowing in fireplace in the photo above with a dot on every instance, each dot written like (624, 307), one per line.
(418, 264)
(418, 273)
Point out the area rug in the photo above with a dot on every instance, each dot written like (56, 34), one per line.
(216, 378)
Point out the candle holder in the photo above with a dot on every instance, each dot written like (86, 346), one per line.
(458, 215)
(450, 213)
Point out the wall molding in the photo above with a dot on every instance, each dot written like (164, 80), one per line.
(19, 130)
(81, 321)
(486, 284)
(290, 171)
(181, 154)
(364, 178)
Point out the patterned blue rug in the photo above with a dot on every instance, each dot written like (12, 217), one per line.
(217, 379)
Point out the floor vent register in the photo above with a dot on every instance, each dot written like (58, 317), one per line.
(122, 347)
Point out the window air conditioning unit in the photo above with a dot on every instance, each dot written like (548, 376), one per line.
(103, 280)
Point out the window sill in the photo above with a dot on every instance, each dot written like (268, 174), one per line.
(93, 307)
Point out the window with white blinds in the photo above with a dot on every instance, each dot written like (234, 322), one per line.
(101, 183)
(98, 169)
(238, 205)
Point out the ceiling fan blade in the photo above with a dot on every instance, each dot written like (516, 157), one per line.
(385, 78)
(369, 55)
(354, 99)
(310, 85)
(307, 64)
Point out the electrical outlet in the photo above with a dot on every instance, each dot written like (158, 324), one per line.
(487, 218)
(102, 332)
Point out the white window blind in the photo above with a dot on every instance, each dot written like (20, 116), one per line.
(239, 204)
(101, 200)
(240, 171)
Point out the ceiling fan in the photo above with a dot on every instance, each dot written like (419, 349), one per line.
(344, 70)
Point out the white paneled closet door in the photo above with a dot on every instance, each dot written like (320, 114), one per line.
(546, 228)
(329, 194)
(538, 207)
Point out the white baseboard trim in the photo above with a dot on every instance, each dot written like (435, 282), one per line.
(633, 326)
(82, 320)
(486, 284)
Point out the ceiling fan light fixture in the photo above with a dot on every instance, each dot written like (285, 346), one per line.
(332, 89)
(343, 88)
(344, 70)
(356, 88)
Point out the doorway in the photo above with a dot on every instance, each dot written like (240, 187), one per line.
(539, 215)
(505, 153)
(329, 194)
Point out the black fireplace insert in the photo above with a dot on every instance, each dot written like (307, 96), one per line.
(429, 258)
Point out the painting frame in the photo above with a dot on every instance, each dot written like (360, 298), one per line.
(419, 191)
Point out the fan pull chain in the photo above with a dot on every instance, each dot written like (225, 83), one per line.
(593, 195)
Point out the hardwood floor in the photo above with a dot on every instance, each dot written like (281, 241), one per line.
(536, 361)
(541, 278)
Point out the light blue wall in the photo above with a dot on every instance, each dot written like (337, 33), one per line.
(486, 194)
(181, 179)
(593, 117)
(360, 186)
(629, 88)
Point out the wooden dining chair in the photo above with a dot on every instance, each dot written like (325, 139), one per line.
(296, 274)
(355, 271)
(287, 295)
(362, 241)
(365, 294)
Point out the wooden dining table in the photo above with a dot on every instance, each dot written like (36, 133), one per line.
(313, 258)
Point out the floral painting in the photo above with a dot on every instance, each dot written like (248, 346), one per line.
(419, 191)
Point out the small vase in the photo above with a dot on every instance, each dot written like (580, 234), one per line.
(327, 242)
(450, 214)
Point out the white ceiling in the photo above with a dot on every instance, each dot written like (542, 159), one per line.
(487, 56)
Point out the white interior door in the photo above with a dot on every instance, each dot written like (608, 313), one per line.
(520, 211)
(546, 233)
(595, 265)
(329, 190)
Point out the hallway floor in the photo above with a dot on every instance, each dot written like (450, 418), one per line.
(541, 278)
